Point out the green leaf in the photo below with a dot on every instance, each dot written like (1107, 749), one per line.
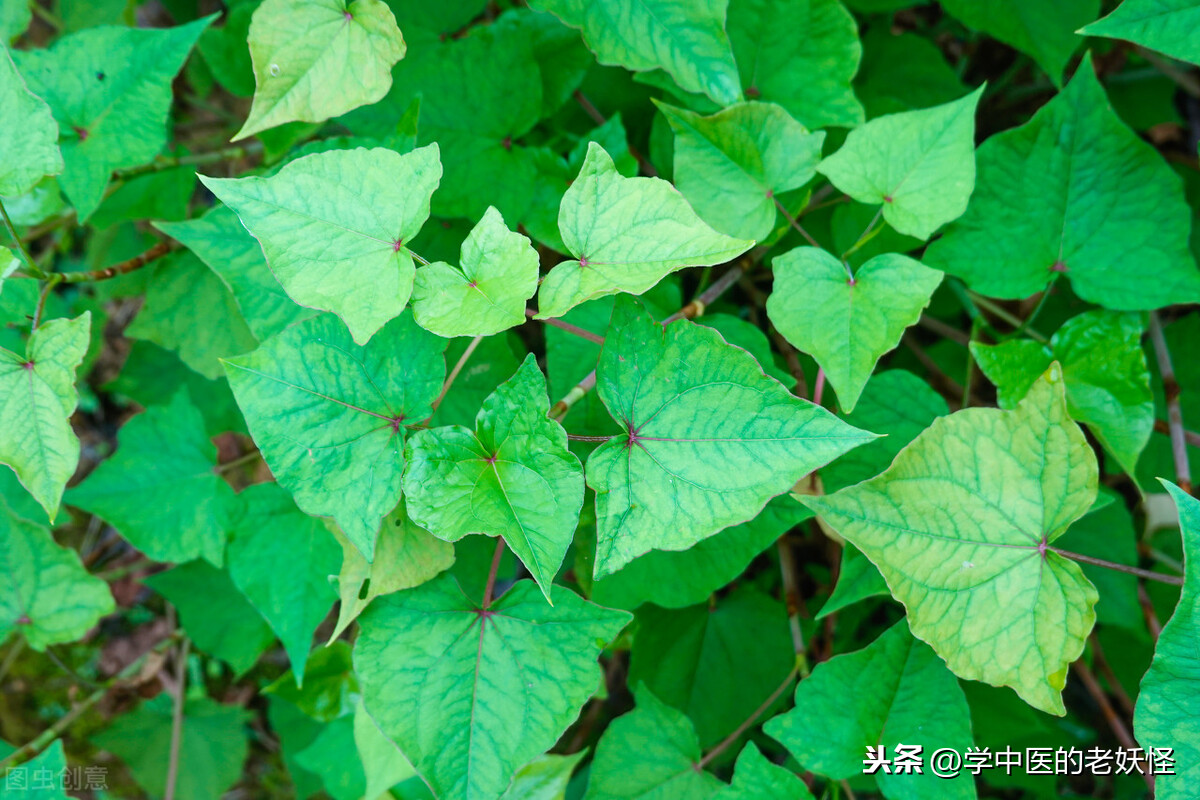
(687, 39)
(225, 50)
(756, 778)
(487, 295)
(882, 695)
(559, 51)
(1168, 706)
(919, 165)
(473, 119)
(316, 59)
(898, 405)
(221, 242)
(801, 54)
(328, 687)
(216, 615)
(1162, 25)
(382, 761)
(1044, 31)
(29, 780)
(847, 322)
(189, 311)
(702, 448)
(731, 165)
(334, 226)
(29, 137)
(627, 234)
(716, 663)
(160, 490)
(903, 72)
(15, 16)
(9, 264)
(36, 439)
(544, 778)
(512, 477)
(687, 577)
(353, 758)
(857, 579)
(110, 91)
(491, 364)
(329, 416)
(471, 695)
(406, 555)
(1104, 371)
(960, 526)
(46, 594)
(267, 530)
(212, 745)
(1122, 242)
(650, 752)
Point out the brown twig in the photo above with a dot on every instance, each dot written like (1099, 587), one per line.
(1171, 390)
(1191, 437)
(490, 588)
(458, 367)
(795, 223)
(1152, 623)
(123, 268)
(574, 330)
(791, 596)
(1114, 685)
(1119, 729)
(1174, 580)
(600, 119)
(724, 744)
(692, 310)
(177, 720)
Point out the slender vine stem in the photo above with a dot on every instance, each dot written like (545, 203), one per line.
(1174, 580)
(1191, 437)
(47, 288)
(724, 744)
(458, 367)
(193, 160)
(575, 330)
(1110, 715)
(1001, 312)
(34, 269)
(869, 233)
(692, 310)
(791, 596)
(795, 223)
(490, 589)
(600, 119)
(229, 466)
(177, 720)
(1183, 472)
(122, 268)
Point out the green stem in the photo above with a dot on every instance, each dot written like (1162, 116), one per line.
(795, 223)
(34, 269)
(869, 233)
(192, 160)
(724, 744)
(1003, 313)
(1174, 580)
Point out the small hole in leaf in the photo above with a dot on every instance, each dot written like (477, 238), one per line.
(364, 589)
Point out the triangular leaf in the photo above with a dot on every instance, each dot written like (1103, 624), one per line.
(45, 593)
(406, 555)
(687, 39)
(110, 90)
(881, 695)
(960, 526)
(29, 135)
(1029, 221)
(316, 59)
(1104, 371)
(471, 695)
(801, 54)
(1168, 706)
(159, 490)
(756, 778)
(731, 165)
(627, 234)
(487, 295)
(334, 228)
(919, 165)
(651, 751)
(847, 322)
(268, 531)
(512, 477)
(36, 439)
(703, 447)
(329, 416)
(1167, 26)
